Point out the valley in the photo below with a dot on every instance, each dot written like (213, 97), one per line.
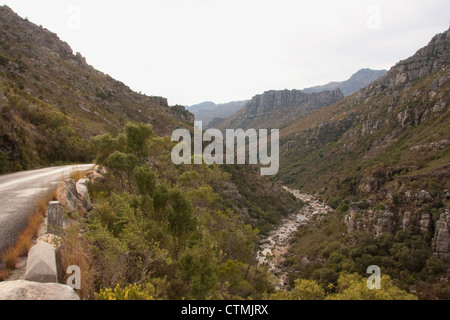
(363, 179)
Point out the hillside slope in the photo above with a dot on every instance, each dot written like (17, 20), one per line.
(51, 100)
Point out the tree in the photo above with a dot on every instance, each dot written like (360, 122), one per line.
(122, 165)
(181, 221)
(145, 180)
(103, 146)
(138, 135)
(197, 267)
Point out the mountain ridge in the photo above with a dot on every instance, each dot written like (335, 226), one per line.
(357, 81)
(208, 111)
(274, 109)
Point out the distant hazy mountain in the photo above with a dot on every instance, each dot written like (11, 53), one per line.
(359, 80)
(206, 111)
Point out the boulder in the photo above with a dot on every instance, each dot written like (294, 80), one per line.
(83, 194)
(67, 194)
(27, 290)
(74, 196)
(94, 176)
(41, 263)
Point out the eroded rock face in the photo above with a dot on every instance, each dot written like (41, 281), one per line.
(384, 223)
(441, 240)
(425, 223)
(377, 221)
(407, 220)
(28, 290)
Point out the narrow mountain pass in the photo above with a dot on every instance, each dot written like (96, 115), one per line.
(274, 247)
(19, 193)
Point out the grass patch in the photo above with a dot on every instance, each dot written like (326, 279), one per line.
(78, 174)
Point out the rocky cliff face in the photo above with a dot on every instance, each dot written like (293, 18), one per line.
(274, 109)
(441, 240)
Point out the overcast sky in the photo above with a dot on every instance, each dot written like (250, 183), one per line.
(191, 51)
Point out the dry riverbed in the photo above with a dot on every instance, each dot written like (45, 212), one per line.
(274, 247)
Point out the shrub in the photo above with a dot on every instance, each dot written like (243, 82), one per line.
(3, 161)
(3, 61)
(132, 292)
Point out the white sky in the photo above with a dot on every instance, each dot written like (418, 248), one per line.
(191, 51)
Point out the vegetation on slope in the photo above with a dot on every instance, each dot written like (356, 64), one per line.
(172, 231)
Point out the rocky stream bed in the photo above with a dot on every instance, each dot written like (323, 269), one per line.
(274, 247)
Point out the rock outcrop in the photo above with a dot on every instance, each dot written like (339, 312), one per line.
(28, 290)
(441, 240)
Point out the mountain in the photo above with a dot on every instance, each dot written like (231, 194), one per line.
(357, 81)
(207, 111)
(52, 101)
(381, 158)
(274, 109)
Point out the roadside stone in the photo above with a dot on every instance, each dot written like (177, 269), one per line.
(54, 217)
(41, 263)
